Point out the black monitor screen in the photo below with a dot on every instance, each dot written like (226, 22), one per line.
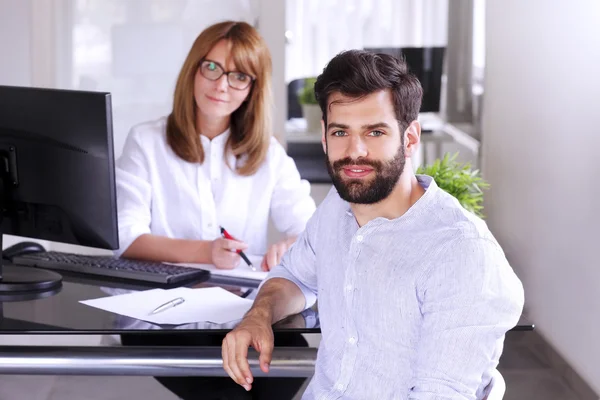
(57, 180)
(427, 63)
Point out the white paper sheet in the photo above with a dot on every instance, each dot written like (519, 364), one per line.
(241, 271)
(203, 304)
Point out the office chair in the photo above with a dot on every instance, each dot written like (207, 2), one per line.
(294, 108)
(496, 387)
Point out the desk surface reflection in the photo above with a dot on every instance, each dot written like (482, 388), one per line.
(62, 312)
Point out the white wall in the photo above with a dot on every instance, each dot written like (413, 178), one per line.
(271, 25)
(15, 56)
(15, 67)
(541, 144)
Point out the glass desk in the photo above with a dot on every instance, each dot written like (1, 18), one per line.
(61, 313)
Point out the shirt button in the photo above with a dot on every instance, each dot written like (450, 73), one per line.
(348, 288)
(359, 238)
(210, 225)
(352, 340)
(339, 386)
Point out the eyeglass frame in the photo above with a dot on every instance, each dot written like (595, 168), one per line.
(223, 72)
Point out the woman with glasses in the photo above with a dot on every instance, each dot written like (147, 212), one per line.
(213, 162)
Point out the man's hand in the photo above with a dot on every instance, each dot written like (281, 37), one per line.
(277, 299)
(275, 252)
(256, 331)
(223, 252)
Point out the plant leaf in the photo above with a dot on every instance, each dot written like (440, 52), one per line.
(460, 180)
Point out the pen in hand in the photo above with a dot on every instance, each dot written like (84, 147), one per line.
(226, 235)
(168, 305)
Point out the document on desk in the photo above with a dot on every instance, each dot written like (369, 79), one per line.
(241, 271)
(203, 304)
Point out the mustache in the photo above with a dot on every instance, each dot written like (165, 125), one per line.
(344, 162)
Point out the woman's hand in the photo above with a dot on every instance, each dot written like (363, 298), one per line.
(275, 252)
(224, 255)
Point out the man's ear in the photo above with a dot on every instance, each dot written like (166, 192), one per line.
(323, 137)
(412, 138)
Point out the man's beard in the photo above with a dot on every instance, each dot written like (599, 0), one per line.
(370, 190)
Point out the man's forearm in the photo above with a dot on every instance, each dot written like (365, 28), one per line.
(278, 298)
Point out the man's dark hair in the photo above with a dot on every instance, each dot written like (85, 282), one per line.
(358, 73)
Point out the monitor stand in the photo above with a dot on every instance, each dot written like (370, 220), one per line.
(18, 281)
(17, 278)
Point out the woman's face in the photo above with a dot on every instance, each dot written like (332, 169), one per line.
(217, 98)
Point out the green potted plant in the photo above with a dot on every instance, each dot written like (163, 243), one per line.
(460, 180)
(310, 107)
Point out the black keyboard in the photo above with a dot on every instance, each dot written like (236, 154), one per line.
(145, 271)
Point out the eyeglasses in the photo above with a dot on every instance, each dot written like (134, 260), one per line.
(237, 80)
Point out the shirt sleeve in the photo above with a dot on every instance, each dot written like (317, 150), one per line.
(291, 203)
(134, 192)
(470, 299)
(298, 264)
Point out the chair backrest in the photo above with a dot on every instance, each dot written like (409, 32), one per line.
(496, 388)
(294, 108)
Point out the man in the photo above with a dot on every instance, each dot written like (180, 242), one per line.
(415, 294)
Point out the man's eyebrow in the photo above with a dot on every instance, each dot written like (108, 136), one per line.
(368, 127)
(377, 125)
(332, 125)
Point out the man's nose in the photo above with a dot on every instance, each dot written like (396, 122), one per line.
(357, 148)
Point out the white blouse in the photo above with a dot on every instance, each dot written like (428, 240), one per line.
(161, 194)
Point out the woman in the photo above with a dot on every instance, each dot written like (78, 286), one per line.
(213, 162)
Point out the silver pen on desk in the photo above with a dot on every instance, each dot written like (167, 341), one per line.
(167, 305)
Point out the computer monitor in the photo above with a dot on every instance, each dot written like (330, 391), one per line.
(427, 64)
(57, 179)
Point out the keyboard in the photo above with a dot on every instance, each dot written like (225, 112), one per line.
(106, 266)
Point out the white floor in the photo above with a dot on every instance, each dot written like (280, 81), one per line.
(21, 387)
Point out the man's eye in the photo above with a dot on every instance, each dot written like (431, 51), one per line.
(338, 133)
(376, 133)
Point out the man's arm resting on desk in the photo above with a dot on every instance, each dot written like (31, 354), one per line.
(277, 299)
(290, 288)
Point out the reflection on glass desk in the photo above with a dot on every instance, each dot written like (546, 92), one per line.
(63, 312)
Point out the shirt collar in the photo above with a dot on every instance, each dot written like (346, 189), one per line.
(219, 141)
(426, 182)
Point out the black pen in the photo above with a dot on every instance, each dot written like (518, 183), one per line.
(241, 253)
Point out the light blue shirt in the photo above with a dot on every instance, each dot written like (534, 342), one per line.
(411, 308)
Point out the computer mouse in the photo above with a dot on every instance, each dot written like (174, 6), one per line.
(21, 248)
